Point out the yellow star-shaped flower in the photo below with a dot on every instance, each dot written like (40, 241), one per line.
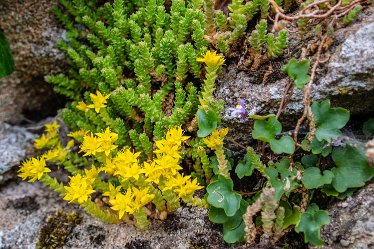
(99, 101)
(211, 58)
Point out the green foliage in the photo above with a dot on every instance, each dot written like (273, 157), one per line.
(208, 121)
(311, 222)
(312, 178)
(297, 72)
(328, 120)
(6, 61)
(352, 169)
(259, 37)
(368, 128)
(352, 15)
(245, 167)
(267, 130)
(222, 195)
(233, 226)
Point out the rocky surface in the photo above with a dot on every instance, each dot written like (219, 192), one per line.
(347, 80)
(29, 210)
(352, 222)
(15, 144)
(32, 32)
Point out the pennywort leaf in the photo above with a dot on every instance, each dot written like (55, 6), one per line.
(311, 222)
(222, 195)
(207, 122)
(297, 72)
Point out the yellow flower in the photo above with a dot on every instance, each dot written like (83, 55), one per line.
(121, 203)
(142, 198)
(166, 148)
(78, 134)
(52, 128)
(188, 189)
(99, 101)
(33, 169)
(175, 136)
(41, 142)
(212, 59)
(56, 155)
(215, 140)
(105, 140)
(90, 145)
(107, 135)
(79, 189)
(113, 191)
(127, 172)
(70, 144)
(82, 106)
(91, 175)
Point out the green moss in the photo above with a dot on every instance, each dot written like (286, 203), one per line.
(57, 228)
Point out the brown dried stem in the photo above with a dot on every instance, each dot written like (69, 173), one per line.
(307, 92)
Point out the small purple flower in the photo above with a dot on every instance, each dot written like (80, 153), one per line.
(239, 110)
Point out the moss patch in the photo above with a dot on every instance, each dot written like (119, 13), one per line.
(57, 228)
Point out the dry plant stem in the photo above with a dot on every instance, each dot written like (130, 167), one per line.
(307, 93)
(285, 98)
(279, 12)
(237, 144)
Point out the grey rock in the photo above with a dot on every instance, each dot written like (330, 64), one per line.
(25, 208)
(15, 142)
(347, 80)
(352, 224)
(32, 32)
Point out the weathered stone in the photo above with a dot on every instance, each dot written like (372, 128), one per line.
(32, 32)
(352, 222)
(14, 145)
(347, 80)
(25, 208)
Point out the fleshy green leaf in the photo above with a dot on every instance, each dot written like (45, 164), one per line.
(244, 167)
(266, 130)
(284, 145)
(312, 177)
(207, 121)
(218, 215)
(222, 195)
(311, 222)
(309, 160)
(297, 72)
(352, 169)
(368, 127)
(233, 229)
(291, 215)
(328, 120)
(6, 58)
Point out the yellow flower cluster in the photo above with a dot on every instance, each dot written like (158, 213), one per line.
(33, 169)
(99, 101)
(131, 201)
(211, 58)
(102, 142)
(79, 189)
(162, 170)
(215, 140)
(49, 138)
(181, 185)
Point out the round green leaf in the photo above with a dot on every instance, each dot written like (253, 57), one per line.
(284, 145)
(222, 195)
(297, 72)
(207, 122)
(352, 169)
(266, 130)
(328, 120)
(312, 177)
(244, 167)
(311, 222)
(217, 215)
(368, 127)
